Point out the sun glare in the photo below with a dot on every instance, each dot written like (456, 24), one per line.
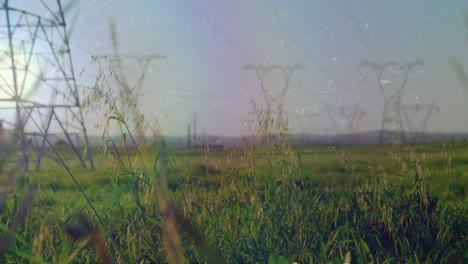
(25, 73)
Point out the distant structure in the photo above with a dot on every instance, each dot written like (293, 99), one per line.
(417, 117)
(130, 92)
(274, 111)
(189, 137)
(196, 140)
(346, 120)
(193, 140)
(392, 78)
(37, 61)
(305, 122)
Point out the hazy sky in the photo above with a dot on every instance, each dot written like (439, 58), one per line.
(207, 44)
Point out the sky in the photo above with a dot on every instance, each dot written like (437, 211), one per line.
(211, 49)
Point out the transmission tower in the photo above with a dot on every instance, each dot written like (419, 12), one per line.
(392, 78)
(417, 117)
(130, 93)
(37, 82)
(274, 102)
(305, 122)
(345, 120)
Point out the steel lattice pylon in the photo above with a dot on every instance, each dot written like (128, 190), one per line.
(273, 119)
(392, 78)
(305, 122)
(415, 125)
(37, 82)
(274, 102)
(346, 120)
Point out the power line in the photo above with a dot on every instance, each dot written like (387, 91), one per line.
(220, 33)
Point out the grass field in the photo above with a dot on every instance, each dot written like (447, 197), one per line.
(308, 204)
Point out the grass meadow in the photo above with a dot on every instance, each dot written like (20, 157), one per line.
(268, 201)
(274, 203)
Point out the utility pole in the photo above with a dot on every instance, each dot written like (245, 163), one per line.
(195, 138)
(189, 137)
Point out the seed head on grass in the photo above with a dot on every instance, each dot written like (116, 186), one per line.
(85, 230)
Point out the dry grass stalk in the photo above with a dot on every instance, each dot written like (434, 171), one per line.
(171, 238)
(91, 234)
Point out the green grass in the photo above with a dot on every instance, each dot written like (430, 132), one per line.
(383, 204)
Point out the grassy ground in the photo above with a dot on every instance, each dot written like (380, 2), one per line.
(309, 204)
